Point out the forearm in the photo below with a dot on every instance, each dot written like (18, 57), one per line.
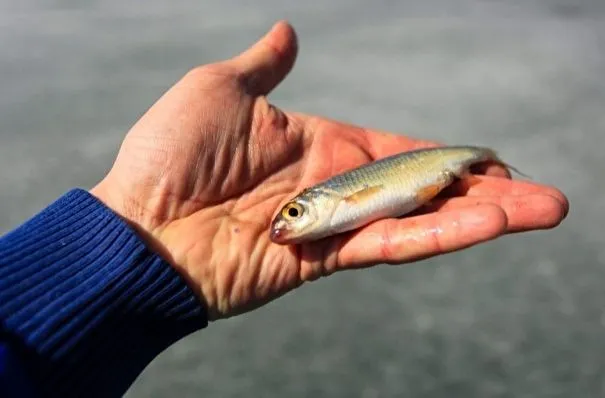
(84, 303)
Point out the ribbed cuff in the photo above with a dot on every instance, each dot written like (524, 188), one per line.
(86, 301)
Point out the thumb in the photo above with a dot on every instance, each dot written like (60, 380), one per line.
(267, 62)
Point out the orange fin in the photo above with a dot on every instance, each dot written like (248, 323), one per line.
(363, 194)
(427, 193)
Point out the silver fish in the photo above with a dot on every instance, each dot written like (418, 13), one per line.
(387, 188)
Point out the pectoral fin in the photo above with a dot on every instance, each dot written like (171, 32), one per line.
(428, 192)
(364, 194)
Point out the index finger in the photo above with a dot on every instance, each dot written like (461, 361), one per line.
(397, 241)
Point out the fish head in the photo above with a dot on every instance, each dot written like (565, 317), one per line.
(305, 217)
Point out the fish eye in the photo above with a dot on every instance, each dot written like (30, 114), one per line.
(292, 210)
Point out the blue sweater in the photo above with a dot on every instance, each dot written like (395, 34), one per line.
(85, 306)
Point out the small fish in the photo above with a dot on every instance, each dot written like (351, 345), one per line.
(387, 188)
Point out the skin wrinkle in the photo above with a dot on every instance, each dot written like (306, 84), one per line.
(239, 168)
(217, 126)
(294, 135)
(270, 122)
(226, 271)
(312, 264)
(164, 195)
(319, 259)
(210, 290)
(244, 161)
(235, 282)
(257, 282)
(309, 130)
(261, 121)
(252, 199)
(158, 155)
(204, 168)
(266, 122)
(321, 268)
(258, 250)
(256, 199)
(245, 274)
(244, 278)
(327, 162)
(211, 136)
(237, 292)
(285, 169)
(340, 249)
(147, 214)
(433, 232)
(271, 275)
(227, 158)
(330, 260)
(278, 271)
(288, 275)
(385, 242)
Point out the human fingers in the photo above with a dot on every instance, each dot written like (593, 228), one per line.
(267, 62)
(523, 212)
(397, 241)
(494, 186)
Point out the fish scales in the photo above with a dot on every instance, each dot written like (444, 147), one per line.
(387, 188)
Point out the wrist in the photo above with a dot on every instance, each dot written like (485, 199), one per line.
(81, 289)
(108, 194)
(131, 212)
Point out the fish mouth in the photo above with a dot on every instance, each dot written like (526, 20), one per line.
(278, 235)
(282, 236)
(285, 236)
(279, 232)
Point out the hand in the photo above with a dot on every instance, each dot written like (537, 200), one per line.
(202, 173)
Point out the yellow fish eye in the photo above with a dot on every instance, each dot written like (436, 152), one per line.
(292, 211)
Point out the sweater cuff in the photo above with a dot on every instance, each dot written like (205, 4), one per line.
(87, 304)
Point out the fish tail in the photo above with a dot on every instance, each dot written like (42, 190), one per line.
(493, 156)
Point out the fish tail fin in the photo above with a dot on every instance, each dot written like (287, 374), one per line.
(493, 156)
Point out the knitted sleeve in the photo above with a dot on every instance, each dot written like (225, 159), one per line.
(85, 305)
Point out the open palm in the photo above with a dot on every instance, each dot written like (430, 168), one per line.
(203, 172)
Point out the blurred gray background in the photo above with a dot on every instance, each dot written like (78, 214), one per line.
(519, 317)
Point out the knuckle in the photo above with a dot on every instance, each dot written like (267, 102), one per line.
(386, 243)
